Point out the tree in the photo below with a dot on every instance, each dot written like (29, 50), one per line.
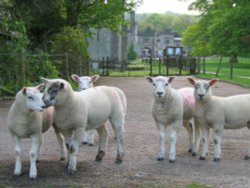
(44, 18)
(131, 52)
(226, 25)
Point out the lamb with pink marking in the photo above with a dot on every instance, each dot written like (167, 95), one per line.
(171, 109)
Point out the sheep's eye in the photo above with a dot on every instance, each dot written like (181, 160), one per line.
(166, 84)
(53, 92)
(31, 98)
(153, 84)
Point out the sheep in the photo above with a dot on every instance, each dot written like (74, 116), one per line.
(85, 82)
(89, 109)
(172, 108)
(219, 113)
(28, 118)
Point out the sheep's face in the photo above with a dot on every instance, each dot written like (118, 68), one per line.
(202, 89)
(161, 85)
(84, 82)
(53, 90)
(33, 98)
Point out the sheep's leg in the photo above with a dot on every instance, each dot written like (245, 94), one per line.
(61, 142)
(35, 146)
(18, 150)
(197, 138)
(85, 137)
(205, 137)
(247, 156)
(189, 127)
(162, 154)
(173, 139)
(91, 137)
(217, 143)
(103, 139)
(117, 123)
(72, 145)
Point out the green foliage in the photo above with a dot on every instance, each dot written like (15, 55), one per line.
(148, 24)
(132, 55)
(70, 40)
(224, 25)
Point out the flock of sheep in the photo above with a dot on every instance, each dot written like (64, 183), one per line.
(74, 115)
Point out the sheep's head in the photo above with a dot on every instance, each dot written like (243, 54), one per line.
(33, 97)
(202, 89)
(161, 85)
(55, 91)
(84, 82)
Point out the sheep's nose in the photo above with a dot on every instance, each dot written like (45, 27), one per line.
(43, 107)
(159, 93)
(201, 96)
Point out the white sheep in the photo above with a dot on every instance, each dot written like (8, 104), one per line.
(172, 108)
(89, 109)
(85, 82)
(28, 119)
(219, 113)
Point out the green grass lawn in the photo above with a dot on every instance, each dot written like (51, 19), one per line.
(241, 71)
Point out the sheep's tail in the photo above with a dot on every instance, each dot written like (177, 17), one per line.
(123, 99)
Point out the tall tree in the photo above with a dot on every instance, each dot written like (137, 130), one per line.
(43, 18)
(227, 25)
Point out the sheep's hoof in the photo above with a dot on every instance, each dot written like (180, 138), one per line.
(99, 156)
(71, 172)
(119, 159)
(84, 143)
(216, 159)
(160, 158)
(202, 158)
(62, 159)
(172, 161)
(91, 144)
(37, 161)
(246, 157)
(17, 175)
(194, 153)
(32, 178)
(189, 150)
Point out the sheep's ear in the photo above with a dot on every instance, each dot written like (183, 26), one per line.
(94, 78)
(24, 90)
(75, 78)
(40, 87)
(45, 80)
(212, 82)
(191, 81)
(149, 78)
(170, 79)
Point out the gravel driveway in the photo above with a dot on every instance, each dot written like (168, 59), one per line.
(140, 167)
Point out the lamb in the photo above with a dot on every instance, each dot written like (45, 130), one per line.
(89, 109)
(172, 108)
(85, 82)
(219, 113)
(28, 118)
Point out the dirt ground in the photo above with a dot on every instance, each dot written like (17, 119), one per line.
(140, 167)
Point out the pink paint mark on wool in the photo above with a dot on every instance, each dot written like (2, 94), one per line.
(188, 96)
